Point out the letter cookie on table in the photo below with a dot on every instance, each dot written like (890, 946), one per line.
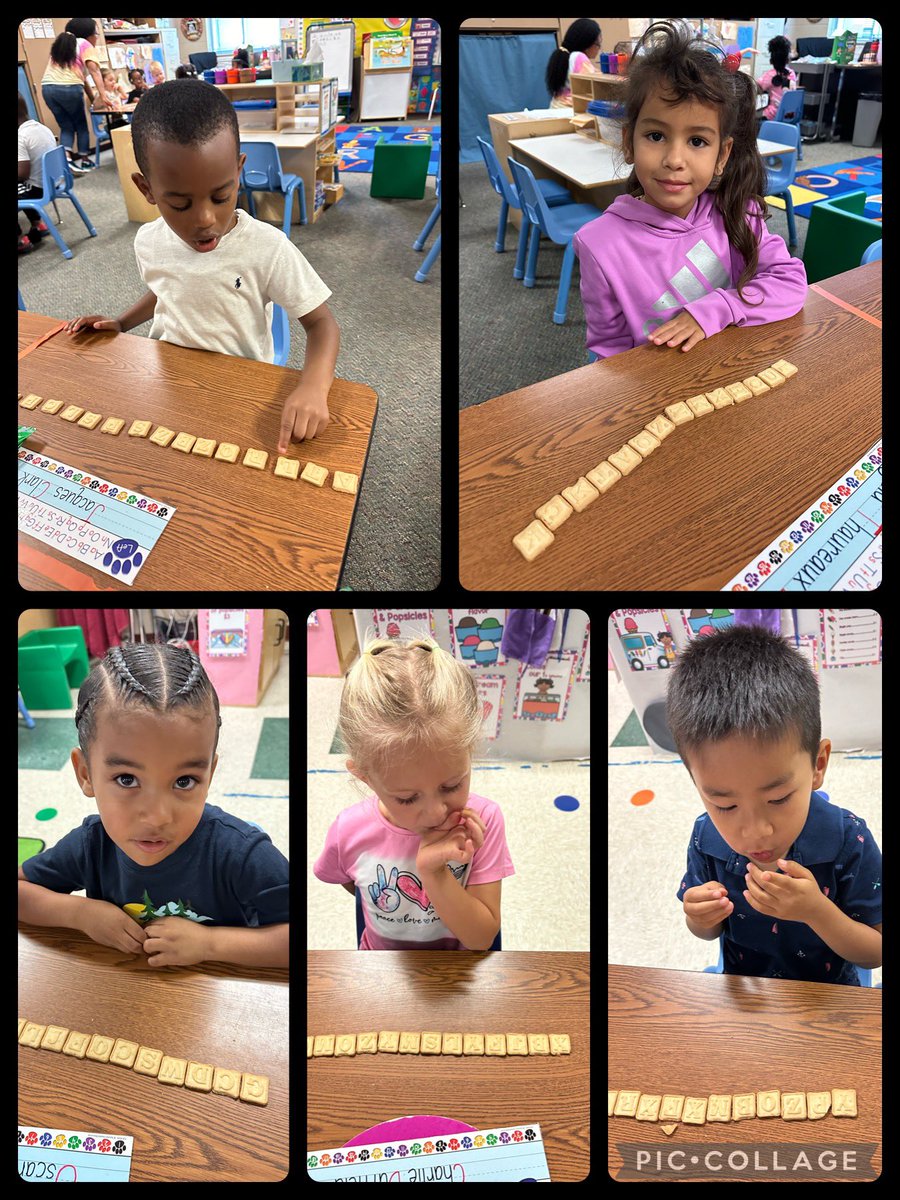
(139, 428)
(255, 1089)
(560, 1044)
(31, 1035)
(77, 1044)
(793, 1106)
(660, 427)
(100, 1048)
(72, 412)
(171, 1070)
(720, 398)
(743, 1106)
(113, 425)
(699, 406)
(204, 447)
(554, 512)
(324, 1045)
(739, 391)
(227, 452)
(719, 1108)
(287, 468)
(648, 1108)
(345, 1044)
(388, 1041)
(431, 1043)
(495, 1044)
(516, 1043)
(694, 1110)
(90, 420)
(768, 1104)
(473, 1043)
(256, 459)
(679, 413)
(626, 459)
(452, 1043)
(671, 1108)
(533, 540)
(52, 406)
(754, 384)
(538, 1043)
(772, 377)
(314, 474)
(645, 443)
(227, 1082)
(148, 1061)
(783, 367)
(162, 436)
(817, 1105)
(603, 476)
(199, 1077)
(843, 1102)
(626, 1104)
(124, 1053)
(367, 1043)
(344, 481)
(580, 494)
(410, 1043)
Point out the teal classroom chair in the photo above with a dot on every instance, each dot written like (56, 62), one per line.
(559, 224)
(50, 663)
(57, 186)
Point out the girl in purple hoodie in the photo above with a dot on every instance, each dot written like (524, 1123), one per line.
(685, 252)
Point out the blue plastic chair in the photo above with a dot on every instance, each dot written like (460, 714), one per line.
(281, 334)
(790, 112)
(22, 307)
(361, 925)
(560, 224)
(781, 168)
(98, 120)
(422, 273)
(864, 973)
(26, 715)
(872, 254)
(262, 173)
(57, 186)
(554, 193)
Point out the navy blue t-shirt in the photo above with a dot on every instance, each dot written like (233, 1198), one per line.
(843, 856)
(226, 873)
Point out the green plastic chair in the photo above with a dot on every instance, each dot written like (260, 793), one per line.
(399, 169)
(838, 236)
(51, 663)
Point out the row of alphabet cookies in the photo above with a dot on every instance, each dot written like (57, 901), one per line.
(189, 443)
(741, 1106)
(536, 537)
(200, 1077)
(391, 1042)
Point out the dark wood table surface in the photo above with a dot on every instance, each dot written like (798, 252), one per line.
(690, 1033)
(236, 528)
(355, 991)
(714, 492)
(217, 1013)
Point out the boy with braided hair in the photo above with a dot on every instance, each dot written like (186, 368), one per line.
(164, 873)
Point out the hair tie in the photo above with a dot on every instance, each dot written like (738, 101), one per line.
(565, 49)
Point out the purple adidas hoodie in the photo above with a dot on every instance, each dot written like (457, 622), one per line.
(641, 266)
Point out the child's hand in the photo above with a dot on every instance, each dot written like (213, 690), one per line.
(459, 843)
(107, 925)
(176, 942)
(793, 896)
(305, 415)
(675, 331)
(707, 904)
(97, 321)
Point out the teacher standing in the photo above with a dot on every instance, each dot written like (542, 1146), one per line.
(575, 56)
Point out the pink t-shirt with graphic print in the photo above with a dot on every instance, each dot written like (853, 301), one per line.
(364, 848)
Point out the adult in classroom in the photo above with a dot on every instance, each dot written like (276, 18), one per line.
(575, 56)
(73, 56)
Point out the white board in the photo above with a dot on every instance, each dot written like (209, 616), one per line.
(336, 44)
(384, 95)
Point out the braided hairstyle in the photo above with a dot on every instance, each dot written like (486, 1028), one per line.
(779, 51)
(158, 676)
(671, 59)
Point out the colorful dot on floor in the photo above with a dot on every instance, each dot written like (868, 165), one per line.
(566, 803)
(641, 798)
(46, 814)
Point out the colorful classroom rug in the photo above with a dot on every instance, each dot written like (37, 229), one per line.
(356, 143)
(836, 179)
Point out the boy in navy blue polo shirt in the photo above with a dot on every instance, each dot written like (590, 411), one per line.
(793, 882)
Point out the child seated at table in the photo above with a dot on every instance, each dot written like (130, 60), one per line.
(165, 873)
(791, 881)
(778, 78)
(673, 264)
(426, 856)
(213, 271)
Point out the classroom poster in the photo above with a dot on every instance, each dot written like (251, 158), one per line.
(543, 692)
(584, 664)
(403, 623)
(475, 635)
(646, 638)
(702, 621)
(491, 690)
(851, 637)
(227, 632)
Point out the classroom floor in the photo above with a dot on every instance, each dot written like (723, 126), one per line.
(648, 842)
(251, 779)
(499, 312)
(390, 340)
(546, 904)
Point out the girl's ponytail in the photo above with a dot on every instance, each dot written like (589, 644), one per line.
(581, 35)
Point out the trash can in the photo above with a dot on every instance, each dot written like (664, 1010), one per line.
(868, 118)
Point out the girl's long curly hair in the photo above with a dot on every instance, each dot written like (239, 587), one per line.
(779, 50)
(673, 60)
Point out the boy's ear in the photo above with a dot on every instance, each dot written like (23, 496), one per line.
(82, 774)
(143, 186)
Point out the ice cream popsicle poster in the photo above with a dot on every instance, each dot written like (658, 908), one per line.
(475, 635)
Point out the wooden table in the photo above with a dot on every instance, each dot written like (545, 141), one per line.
(715, 491)
(505, 991)
(692, 1034)
(215, 1013)
(235, 528)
